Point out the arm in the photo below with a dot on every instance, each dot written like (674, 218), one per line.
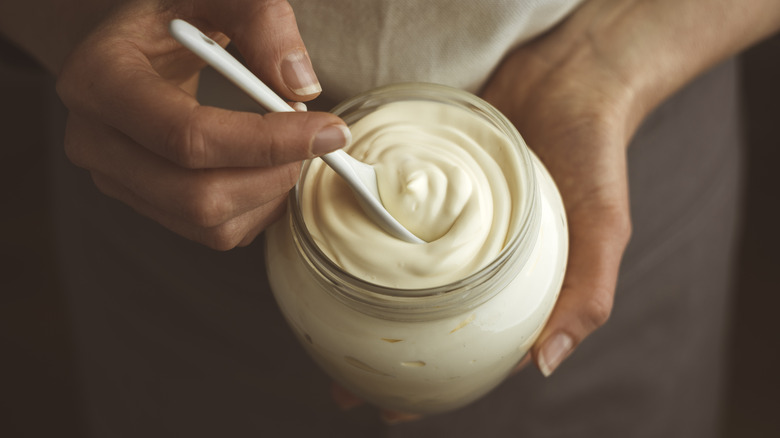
(578, 93)
(653, 48)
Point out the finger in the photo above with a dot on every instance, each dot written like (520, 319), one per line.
(270, 213)
(116, 84)
(170, 123)
(206, 198)
(343, 398)
(238, 231)
(597, 242)
(522, 364)
(266, 34)
(395, 417)
(346, 401)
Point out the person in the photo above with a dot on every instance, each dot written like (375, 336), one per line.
(177, 331)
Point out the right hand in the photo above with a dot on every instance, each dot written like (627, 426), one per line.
(214, 176)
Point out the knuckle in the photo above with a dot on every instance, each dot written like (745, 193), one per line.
(63, 86)
(623, 228)
(598, 310)
(289, 176)
(73, 151)
(287, 138)
(101, 184)
(207, 203)
(274, 147)
(67, 82)
(224, 237)
(76, 145)
(615, 219)
(186, 142)
(246, 241)
(275, 9)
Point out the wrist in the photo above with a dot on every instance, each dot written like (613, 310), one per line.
(618, 96)
(575, 64)
(656, 48)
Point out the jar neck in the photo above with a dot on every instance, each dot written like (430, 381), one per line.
(445, 300)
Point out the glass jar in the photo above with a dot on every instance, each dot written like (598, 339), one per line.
(435, 349)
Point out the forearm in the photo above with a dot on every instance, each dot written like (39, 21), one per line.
(48, 30)
(646, 50)
(676, 40)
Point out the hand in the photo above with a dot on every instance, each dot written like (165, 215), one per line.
(577, 94)
(214, 176)
(578, 122)
(578, 118)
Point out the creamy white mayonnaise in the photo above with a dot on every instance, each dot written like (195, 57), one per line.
(443, 173)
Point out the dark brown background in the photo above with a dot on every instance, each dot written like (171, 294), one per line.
(38, 394)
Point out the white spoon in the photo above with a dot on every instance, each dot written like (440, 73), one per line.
(360, 176)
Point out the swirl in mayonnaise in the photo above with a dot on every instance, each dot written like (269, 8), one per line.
(445, 173)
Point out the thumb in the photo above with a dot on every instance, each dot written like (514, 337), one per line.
(266, 34)
(597, 242)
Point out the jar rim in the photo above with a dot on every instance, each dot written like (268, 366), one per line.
(466, 290)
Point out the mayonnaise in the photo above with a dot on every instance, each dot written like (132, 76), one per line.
(439, 175)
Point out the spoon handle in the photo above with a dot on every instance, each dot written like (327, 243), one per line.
(190, 37)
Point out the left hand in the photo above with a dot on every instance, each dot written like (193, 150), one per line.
(579, 129)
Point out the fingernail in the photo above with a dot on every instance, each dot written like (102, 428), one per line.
(298, 74)
(330, 138)
(299, 107)
(554, 351)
